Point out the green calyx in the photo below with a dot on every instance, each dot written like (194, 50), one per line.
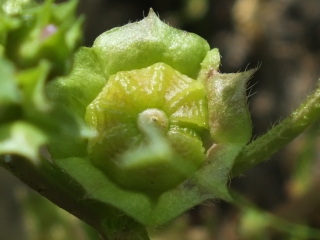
(167, 124)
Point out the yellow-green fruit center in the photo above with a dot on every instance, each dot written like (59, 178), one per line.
(154, 118)
(148, 123)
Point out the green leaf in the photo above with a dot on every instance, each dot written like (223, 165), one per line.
(22, 139)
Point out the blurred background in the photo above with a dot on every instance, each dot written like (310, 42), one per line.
(280, 36)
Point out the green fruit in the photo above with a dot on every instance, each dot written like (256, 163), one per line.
(148, 123)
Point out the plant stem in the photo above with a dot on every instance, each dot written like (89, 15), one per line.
(265, 146)
(52, 183)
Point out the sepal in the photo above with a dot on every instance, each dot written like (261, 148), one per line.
(149, 41)
(229, 117)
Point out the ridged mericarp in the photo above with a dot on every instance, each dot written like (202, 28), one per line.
(135, 110)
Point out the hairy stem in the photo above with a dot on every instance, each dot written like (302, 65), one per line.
(265, 146)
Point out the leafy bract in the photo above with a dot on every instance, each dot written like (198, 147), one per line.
(141, 44)
(81, 86)
(136, 46)
(229, 117)
(72, 94)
